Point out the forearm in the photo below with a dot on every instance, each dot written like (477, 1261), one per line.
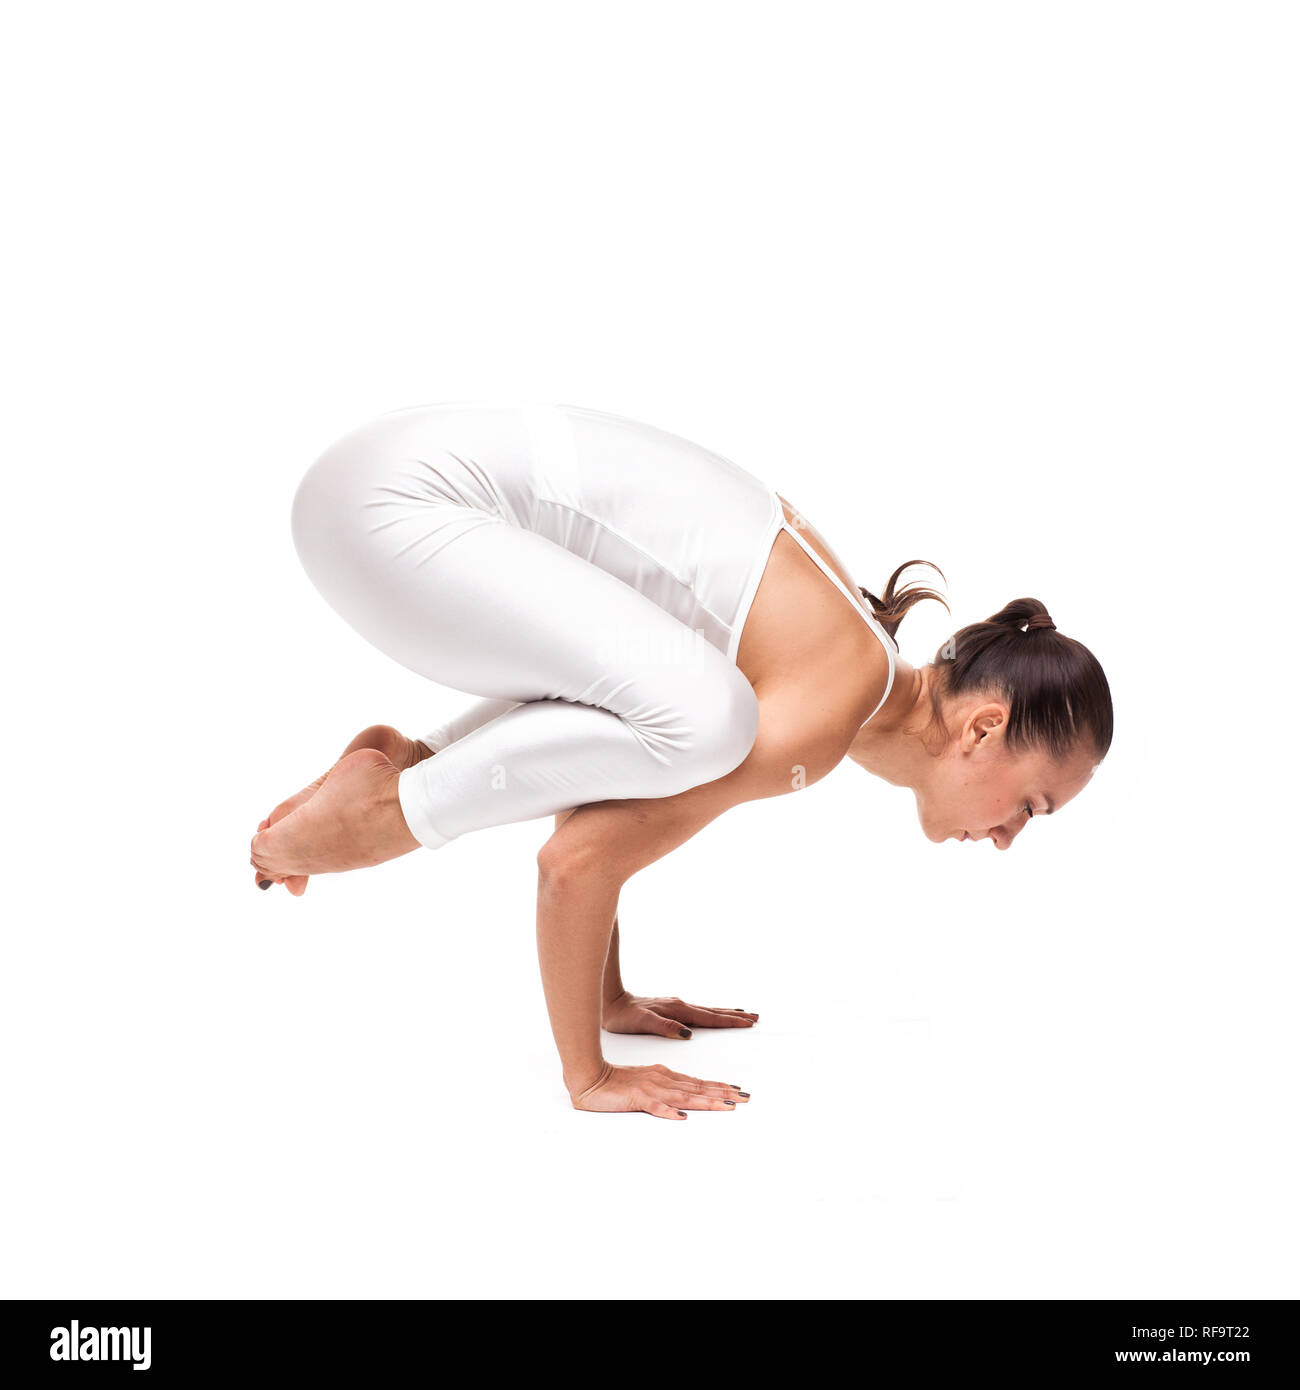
(612, 987)
(575, 914)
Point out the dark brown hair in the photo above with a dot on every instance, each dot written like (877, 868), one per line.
(1054, 686)
(891, 609)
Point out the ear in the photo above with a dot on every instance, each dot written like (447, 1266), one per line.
(985, 726)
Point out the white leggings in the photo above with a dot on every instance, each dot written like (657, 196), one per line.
(593, 692)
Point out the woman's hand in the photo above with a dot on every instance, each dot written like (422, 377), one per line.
(656, 1091)
(667, 1018)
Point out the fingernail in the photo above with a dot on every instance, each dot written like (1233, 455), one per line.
(730, 1102)
(263, 882)
(684, 1033)
(745, 1094)
(682, 1113)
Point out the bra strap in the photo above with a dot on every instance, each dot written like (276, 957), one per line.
(886, 641)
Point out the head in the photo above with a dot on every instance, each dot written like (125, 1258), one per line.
(1020, 717)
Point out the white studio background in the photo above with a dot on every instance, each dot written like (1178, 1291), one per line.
(1011, 287)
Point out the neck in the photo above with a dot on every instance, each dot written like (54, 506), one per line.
(891, 745)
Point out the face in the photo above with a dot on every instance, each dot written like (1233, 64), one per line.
(979, 790)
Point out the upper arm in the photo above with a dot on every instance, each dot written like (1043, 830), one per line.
(621, 837)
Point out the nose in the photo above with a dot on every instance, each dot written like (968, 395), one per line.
(1003, 835)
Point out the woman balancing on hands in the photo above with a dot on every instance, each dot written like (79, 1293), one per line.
(655, 636)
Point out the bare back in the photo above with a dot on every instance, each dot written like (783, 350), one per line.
(814, 662)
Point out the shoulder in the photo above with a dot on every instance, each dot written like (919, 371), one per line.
(804, 632)
(799, 741)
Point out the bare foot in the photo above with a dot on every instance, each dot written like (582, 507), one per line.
(401, 751)
(352, 821)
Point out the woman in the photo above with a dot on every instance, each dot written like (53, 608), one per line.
(657, 636)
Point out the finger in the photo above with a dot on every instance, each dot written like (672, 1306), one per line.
(716, 1018)
(662, 1110)
(723, 1093)
(698, 1080)
(716, 1089)
(702, 1088)
(700, 1015)
(691, 1100)
(656, 1023)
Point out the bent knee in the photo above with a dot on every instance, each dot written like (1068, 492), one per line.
(335, 501)
(320, 502)
(724, 725)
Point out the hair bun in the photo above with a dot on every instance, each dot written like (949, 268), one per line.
(1040, 620)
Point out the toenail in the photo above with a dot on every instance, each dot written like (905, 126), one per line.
(263, 882)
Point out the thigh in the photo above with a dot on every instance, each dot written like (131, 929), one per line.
(464, 597)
